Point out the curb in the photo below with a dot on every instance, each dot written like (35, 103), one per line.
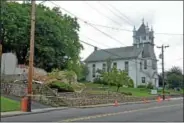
(126, 103)
(105, 105)
(33, 112)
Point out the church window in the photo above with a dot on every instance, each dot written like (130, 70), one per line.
(140, 65)
(104, 67)
(142, 53)
(94, 70)
(114, 65)
(145, 64)
(126, 66)
(153, 65)
(143, 79)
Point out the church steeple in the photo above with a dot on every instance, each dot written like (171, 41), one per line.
(143, 35)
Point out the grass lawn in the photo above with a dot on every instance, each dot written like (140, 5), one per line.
(140, 92)
(9, 105)
(135, 91)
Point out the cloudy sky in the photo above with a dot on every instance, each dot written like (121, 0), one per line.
(163, 16)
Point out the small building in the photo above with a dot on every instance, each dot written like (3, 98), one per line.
(139, 60)
(10, 70)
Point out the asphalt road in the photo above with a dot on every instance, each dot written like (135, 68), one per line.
(35, 105)
(168, 111)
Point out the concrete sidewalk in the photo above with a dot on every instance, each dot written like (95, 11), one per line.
(35, 111)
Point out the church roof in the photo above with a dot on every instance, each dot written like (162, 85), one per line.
(141, 30)
(114, 53)
(121, 53)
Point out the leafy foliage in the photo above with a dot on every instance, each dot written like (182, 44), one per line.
(117, 77)
(61, 86)
(150, 85)
(56, 35)
(174, 77)
(131, 83)
(141, 86)
(70, 76)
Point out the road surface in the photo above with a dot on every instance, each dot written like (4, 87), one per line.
(35, 105)
(168, 111)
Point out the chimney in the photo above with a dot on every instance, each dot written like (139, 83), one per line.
(95, 48)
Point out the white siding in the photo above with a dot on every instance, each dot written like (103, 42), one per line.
(9, 64)
(120, 65)
(134, 70)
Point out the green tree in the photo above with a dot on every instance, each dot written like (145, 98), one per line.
(56, 35)
(118, 78)
(70, 76)
(174, 77)
(123, 79)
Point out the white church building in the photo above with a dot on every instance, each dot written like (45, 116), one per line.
(139, 60)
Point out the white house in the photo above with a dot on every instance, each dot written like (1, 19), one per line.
(139, 59)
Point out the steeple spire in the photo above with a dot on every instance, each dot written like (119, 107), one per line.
(143, 21)
(151, 28)
(134, 28)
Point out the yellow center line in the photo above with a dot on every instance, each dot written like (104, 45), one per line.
(117, 113)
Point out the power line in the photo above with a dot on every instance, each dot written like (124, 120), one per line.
(121, 13)
(89, 24)
(114, 28)
(103, 14)
(120, 29)
(115, 13)
(107, 34)
(96, 41)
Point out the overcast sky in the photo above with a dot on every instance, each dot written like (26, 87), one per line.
(163, 16)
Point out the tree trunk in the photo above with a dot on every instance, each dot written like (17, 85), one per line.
(118, 88)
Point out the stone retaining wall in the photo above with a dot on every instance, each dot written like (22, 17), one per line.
(45, 95)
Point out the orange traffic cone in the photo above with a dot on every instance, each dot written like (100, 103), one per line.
(159, 99)
(116, 103)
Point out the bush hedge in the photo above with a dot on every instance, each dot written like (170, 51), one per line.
(141, 86)
(150, 86)
(61, 86)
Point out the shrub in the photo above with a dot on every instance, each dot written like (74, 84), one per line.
(141, 86)
(100, 81)
(61, 86)
(126, 93)
(131, 83)
(97, 81)
(150, 86)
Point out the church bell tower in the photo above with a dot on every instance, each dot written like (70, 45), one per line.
(144, 35)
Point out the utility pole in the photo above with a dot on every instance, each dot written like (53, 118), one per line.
(163, 79)
(31, 56)
(1, 37)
